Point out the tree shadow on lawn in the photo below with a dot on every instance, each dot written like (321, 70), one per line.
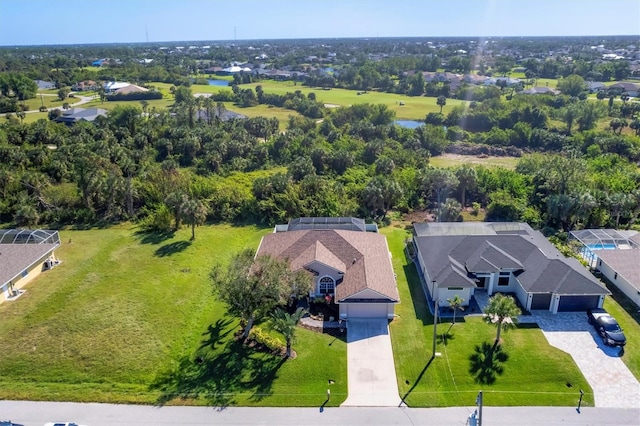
(219, 377)
(147, 237)
(216, 333)
(487, 362)
(172, 248)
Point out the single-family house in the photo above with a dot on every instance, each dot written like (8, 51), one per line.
(45, 85)
(24, 254)
(595, 86)
(540, 91)
(74, 115)
(632, 89)
(348, 259)
(83, 86)
(464, 259)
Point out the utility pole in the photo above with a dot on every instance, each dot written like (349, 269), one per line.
(479, 404)
(435, 317)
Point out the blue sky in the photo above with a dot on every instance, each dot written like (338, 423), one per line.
(27, 22)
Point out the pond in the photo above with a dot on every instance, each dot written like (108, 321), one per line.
(409, 124)
(218, 83)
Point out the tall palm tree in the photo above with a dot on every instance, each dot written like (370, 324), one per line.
(503, 312)
(285, 324)
(194, 213)
(455, 303)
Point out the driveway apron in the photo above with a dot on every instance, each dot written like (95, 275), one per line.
(613, 384)
(371, 370)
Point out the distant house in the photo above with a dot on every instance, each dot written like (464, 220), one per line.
(467, 259)
(100, 62)
(631, 89)
(595, 86)
(84, 86)
(349, 261)
(25, 254)
(509, 81)
(121, 87)
(45, 85)
(74, 115)
(224, 115)
(541, 91)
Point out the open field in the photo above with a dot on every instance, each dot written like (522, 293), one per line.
(415, 108)
(455, 160)
(449, 379)
(125, 316)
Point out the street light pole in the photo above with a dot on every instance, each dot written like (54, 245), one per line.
(435, 317)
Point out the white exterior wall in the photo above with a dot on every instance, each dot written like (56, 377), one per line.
(621, 282)
(524, 297)
(377, 310)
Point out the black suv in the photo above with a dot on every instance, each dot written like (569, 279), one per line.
(607, 327)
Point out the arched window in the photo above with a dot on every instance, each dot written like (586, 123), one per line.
(326, 285)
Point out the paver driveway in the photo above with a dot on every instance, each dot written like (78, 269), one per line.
(371, 370)
(612, 382)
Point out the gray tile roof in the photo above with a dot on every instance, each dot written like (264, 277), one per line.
(363, 257)
(538, 265)
(15, 258)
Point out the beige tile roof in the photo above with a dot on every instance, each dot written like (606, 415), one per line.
(362, 256)
(15, 258)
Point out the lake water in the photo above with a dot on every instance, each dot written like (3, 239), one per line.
(218, 83)
(409, 124)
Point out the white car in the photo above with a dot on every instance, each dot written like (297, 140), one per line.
(62, 424)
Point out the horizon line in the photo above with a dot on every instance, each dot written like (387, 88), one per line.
(316, 38)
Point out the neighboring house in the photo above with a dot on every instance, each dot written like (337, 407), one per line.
(348, 259)
(224, 115)
(23, 255)
(115, 86)
(632, 89)
(73, 115)
(131, 88)
(540, 91)
(595, 86)
(45, 85)
(84, 86)
(100, 62)
(616, 255)
(466, 258)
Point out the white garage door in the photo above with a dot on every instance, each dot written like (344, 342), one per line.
(367, 310)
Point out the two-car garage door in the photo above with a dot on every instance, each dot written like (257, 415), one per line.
(577, 303)
(366, 310)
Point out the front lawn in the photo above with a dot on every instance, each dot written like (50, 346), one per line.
(528, 371)
(130, 318)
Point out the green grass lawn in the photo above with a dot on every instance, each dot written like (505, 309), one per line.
(125, 315)
(415, 108)
(450, 380)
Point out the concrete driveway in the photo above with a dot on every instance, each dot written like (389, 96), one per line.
(371, 370)
(613, 384)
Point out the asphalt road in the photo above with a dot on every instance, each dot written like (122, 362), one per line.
(38, 413)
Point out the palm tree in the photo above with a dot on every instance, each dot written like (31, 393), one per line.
(503, 312)
(285, 324)
(441, 101)
(194, 213)
(455, 303)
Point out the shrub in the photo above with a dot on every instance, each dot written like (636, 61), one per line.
(262, 337)
(136, 96)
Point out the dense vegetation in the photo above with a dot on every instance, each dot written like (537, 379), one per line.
(166, 167)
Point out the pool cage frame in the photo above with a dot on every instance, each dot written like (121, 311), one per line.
(29, 236)
(593, 240)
